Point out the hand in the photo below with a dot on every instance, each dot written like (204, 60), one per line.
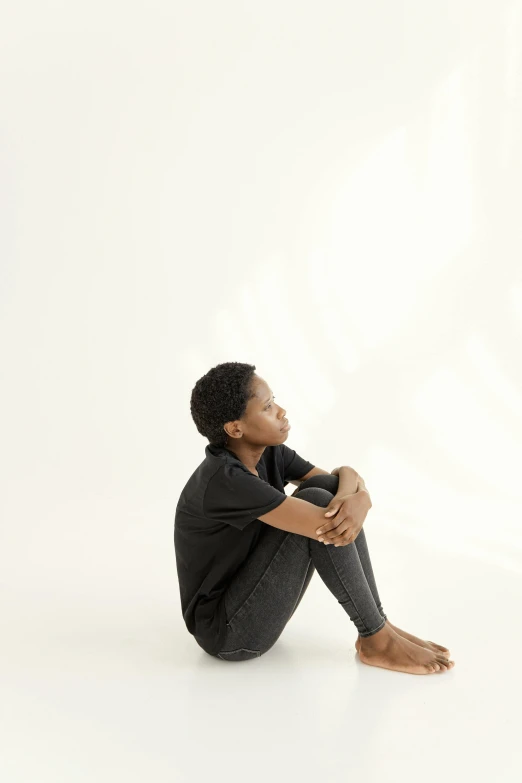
(361, 485)
(347, 514)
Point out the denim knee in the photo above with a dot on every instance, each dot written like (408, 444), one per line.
(316, 495)
(323, 480)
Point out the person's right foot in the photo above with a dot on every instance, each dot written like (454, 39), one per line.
(388, 650)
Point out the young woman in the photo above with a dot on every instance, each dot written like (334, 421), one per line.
(246, 551)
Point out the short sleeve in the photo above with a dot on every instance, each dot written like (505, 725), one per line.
(294, 466)
(235, 496)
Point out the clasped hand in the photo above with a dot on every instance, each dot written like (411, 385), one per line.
(346, 517)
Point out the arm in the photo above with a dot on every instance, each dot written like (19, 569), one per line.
(348, 480)
(299, 516)
(350, 483)
(296, 516)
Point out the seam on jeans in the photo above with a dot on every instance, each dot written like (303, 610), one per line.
(310, 563)
(258, 581)
(297, 545)
(348, 594)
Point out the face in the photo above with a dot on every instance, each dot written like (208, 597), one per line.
(264, 417)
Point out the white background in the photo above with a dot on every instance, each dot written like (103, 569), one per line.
(332, 192)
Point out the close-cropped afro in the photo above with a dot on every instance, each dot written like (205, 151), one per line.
(220, 396)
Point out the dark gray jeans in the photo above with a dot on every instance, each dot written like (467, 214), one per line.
(268, 588)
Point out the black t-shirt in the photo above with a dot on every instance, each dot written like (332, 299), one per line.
(217, 526)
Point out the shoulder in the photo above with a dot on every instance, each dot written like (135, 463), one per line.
(228, 474)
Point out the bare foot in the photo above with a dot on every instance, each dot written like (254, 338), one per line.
(415, 639)
(388, 650)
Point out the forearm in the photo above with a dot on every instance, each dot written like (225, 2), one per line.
(348, 480)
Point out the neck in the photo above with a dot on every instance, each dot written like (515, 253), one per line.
(247, 453)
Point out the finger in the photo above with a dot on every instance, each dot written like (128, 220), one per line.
(335, 536)
(330, 524)
(337, 531)
(344, 542)
(329, 515)
(343, 539)
(348, 537)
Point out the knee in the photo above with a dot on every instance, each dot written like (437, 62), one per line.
(316, 495)
(323, 480)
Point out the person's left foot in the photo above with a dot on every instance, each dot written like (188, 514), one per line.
(415, 639)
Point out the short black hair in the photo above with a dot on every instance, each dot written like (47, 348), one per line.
(220, 396)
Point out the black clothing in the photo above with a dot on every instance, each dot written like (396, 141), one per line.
(217, 526)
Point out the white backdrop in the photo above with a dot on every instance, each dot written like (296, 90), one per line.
(330, 191)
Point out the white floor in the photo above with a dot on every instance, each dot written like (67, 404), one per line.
(93, 690)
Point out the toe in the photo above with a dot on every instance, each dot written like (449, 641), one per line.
(439, 647)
